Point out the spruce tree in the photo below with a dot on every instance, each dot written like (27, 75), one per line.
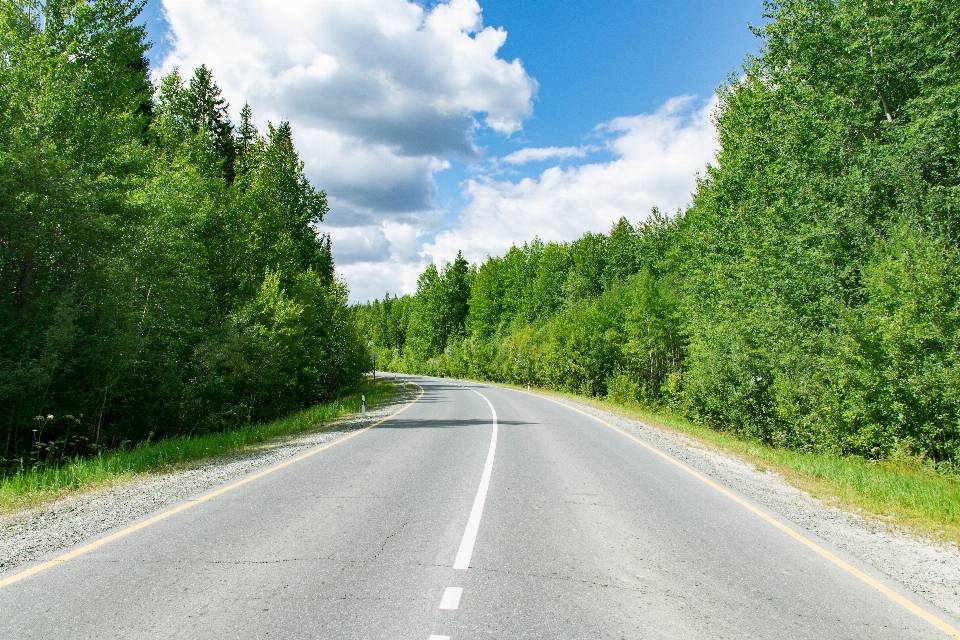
(208, 114)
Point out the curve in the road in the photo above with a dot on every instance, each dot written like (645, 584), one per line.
(462, 561)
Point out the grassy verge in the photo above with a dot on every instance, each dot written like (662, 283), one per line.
(901, 492)
(35, 486)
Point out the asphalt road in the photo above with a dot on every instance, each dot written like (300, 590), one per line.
(581, 533)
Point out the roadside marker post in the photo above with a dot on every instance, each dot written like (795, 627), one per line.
(363, 406)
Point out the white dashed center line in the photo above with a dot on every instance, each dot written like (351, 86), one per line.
(451, 598)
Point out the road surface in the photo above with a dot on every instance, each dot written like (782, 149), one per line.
(477, 512)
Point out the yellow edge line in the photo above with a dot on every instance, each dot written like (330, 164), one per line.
(17, 577)
(887, 591)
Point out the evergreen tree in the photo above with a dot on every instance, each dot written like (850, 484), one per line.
(301, 206)
(247, 139)
(207, 110)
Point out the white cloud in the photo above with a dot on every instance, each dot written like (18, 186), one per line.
(657, 157)
(380, 92)
(378, 258)
(539, 154)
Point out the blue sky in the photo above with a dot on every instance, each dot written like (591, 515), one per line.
(599, 59)
(415, 153)
(596, 60)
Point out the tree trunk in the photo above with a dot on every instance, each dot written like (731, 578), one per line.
(886, 107)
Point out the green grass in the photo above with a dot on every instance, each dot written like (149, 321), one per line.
(35, 486)
(902, 492)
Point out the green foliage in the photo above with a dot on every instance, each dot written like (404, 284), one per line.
(525, 326)
(807, 298)
(800, 290)
(158, 273)
(61, 471)
(439, 310)
(896, 361)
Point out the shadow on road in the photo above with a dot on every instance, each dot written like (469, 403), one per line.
(402, 423)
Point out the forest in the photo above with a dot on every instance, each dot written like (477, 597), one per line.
(807, 297)
(160, 271)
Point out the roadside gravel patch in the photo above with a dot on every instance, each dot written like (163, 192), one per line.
(34, 533)
(929, 568)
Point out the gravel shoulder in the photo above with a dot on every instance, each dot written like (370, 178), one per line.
(33, 533)
(929, 568)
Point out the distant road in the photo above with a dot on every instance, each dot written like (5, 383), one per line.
(567, 529)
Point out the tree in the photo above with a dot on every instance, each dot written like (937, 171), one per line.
(457, 281)
(300, 205)
(426, 329)
(72, 116)
(207, 110)
(585, 278)
(486, 300)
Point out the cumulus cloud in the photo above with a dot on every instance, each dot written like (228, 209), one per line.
(656, 159)
(378, 259)
(380, 94)
(539, 154)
